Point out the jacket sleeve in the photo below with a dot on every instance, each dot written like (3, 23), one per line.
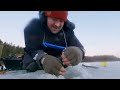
(32, 43)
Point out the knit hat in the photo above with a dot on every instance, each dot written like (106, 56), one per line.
(57, 14)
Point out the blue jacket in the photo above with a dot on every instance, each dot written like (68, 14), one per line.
(37, 32)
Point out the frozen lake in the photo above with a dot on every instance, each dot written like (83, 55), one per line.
(99, 70)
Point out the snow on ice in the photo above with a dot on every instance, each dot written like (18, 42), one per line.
(89, 70)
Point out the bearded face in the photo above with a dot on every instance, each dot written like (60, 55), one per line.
(55, 24)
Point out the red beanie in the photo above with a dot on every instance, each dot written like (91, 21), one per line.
(57, 14)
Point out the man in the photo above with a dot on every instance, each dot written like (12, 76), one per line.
(54, 28)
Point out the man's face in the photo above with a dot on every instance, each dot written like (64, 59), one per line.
(55, 24)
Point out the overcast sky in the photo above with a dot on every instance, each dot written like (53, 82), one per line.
(98, 31)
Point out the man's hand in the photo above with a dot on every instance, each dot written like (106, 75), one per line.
(65, 60)
(72, 56)
(52, 65)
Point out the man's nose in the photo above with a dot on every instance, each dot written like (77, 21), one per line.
(57, 24)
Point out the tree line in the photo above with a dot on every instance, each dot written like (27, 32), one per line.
(9, 49)
(101, 58)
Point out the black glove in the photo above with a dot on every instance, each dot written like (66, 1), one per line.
(32, 67)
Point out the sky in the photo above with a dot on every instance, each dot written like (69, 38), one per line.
(98, 31)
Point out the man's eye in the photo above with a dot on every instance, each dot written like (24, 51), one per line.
(54, 19)
(61, 20)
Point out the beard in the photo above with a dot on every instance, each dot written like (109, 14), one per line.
(56, 27)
